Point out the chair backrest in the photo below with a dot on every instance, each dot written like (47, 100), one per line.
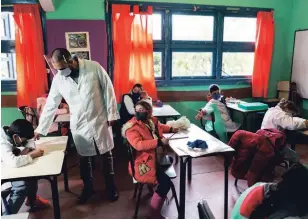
(131, 157)
(30, 115)
(283, 90)
(204, 210)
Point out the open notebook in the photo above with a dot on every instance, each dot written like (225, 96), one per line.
(179, 135)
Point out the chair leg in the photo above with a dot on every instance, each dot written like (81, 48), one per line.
(135, 190)
(6, 206)
(138, 200)
(175, 197)
(235, 182)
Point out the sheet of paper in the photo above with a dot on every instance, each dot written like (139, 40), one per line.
(179, 135)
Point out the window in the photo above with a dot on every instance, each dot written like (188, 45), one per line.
(191, 64)
(8, 57)
(188, 27)
(211, 44)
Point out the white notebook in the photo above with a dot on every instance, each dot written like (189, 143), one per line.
(179, 135)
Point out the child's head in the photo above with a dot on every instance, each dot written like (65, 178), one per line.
(288, 106)
(215, 91)
(21, 131)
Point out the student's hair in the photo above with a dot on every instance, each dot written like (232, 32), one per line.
(138, 85)
(61, 54)
(292, 189)
(288, 105)
(213, 87)
(145, 105)
(21, 127)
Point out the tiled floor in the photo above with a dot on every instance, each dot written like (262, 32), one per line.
(207, 182)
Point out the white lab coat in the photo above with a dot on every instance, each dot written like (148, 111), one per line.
(278, 119)
(92, 104)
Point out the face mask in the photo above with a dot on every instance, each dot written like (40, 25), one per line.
(142, 116)
(216, 96)
(65, 72)
(136, 95)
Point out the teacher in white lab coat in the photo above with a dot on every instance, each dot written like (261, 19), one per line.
(88, 91)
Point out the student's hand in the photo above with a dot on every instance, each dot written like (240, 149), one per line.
(306, 123)
(165, 141)
(36, 153)
(199, 115)
(36, 136)
(175, 130)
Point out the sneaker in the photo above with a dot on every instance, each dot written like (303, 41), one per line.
(39, 203)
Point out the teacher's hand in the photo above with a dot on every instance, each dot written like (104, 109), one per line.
(36, 136)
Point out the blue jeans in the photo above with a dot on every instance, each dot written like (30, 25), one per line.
(20, 190)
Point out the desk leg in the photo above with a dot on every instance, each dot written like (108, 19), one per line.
(226, 165)
(182, 186)
(55, 197)
(59, 129)
(65, 175)
(244, 121)
(189, 167)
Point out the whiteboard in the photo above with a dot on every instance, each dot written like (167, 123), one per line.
(300, 62)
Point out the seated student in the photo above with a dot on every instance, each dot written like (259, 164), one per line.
(281, 117)
(145, 134)
(19, 135)
(129, 100)
(62, 109)
(217, 99)
(286, 199)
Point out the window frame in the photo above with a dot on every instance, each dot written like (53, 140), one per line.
(218, 46)
(8, 46)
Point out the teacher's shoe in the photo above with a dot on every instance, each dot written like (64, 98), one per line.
(86, 194)
(39, 203)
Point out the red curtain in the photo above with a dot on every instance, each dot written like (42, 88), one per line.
(263, 54)
(29, 46)
(133, 50)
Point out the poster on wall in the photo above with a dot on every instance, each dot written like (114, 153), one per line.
(81, 54)
(78, 44)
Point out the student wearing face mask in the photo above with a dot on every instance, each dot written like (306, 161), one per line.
(129, 101)
(282, 117)
(145, 134)
(20, 134)
(217, 99)
(89, 93)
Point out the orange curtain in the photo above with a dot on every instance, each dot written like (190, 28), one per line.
(29, 47)
(133, 50)
(263, 54)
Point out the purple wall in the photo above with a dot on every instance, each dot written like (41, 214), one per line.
(97, 31)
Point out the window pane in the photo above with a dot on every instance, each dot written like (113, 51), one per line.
(237, 64)
(157, 26)
(192, 27)
(8, 66)
(240, 29)
(7, 26)
(189, 64)
(157, 64)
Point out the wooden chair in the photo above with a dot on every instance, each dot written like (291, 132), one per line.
(283, 91)
(204, 210)
(139, 186)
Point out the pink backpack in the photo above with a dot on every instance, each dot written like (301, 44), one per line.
(276, 138)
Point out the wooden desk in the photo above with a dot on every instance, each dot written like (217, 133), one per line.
(244, 112)
(63, 118)
(49, 166)
(215, 147)
(164, 112)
